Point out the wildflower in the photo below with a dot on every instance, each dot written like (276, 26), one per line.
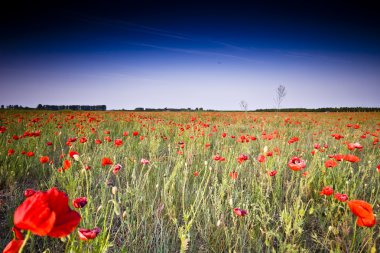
(29, 192)
(341, 197)
(330, 164)
(118, 142)
(338, 157)
(144, 161)
(293, 139)
(296, 164)
(272, 173)
(351, 158)
(242, 158)
(15, 245)
(88, 234)
(219, 158)
(79, 202)
(233, 175)
(47, 213)
(327, 191)
(106, 161)
(363, 211)
(240, 212)
(116, 168)
(66, 164)
(352, 146)
(72, 153)
(44, 159)
(261, 158)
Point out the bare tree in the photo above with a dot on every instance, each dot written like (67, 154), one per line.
(244, 105)
(280, 95)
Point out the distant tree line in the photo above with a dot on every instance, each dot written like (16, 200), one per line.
(16, 107)
(104, 108)
(73, 107)
(167, 109)
(59, 107)
(324, 109)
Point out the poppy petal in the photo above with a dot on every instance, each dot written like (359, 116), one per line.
(34, 214)
(65, 224)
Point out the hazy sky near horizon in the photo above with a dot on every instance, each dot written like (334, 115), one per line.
(209, 54)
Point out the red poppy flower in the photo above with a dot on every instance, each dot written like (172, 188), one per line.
(330, 164)
(49, 143)
(327, 191)
(196, 173)
(79, 202)
(29, 192)
(296, 164)
(378, 168)
(118, 142)
(337, 136)
(292, 140)
(2, 129)
(47, 213)
(106, 161)
(73, 139)
(341, 197)
(97, 141)
(233, 175)
(242, 158)
(261, 158)
(116, 168)
(11, 152)
(13, 246)
(144, 161)
(83, 140)
(30, 153)
(135, 133)
(72, 153)
(272, 173)
(363, 211)
(240, 212)
(66, 164)
(44, 159)
(219, 158)
(352, 146)
(87, 234)
(351, 158)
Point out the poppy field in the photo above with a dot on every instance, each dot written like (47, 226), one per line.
(124, 181)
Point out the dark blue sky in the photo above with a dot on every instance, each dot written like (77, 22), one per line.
(206, 54)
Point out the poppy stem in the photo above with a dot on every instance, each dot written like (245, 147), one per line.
(353, 239)
(25, 240)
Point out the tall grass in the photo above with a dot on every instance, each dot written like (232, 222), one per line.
(164, 206)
